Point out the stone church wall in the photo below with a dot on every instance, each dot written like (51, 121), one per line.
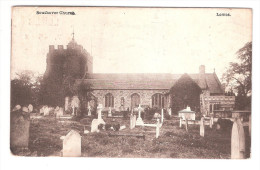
(145, 96)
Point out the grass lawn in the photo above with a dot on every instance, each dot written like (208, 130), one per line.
(173, 142)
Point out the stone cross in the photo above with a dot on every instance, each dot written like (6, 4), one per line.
(99, 110)
(157, 128)
(237, 140)
(72, 144)
(202, 127)
(139, 121)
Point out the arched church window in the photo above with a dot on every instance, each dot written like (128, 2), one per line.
(158, 100)
(109, 100)
(135, 100)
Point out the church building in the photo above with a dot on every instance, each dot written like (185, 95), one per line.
(201, 91)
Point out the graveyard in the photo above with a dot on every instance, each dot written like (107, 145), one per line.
(152, 139)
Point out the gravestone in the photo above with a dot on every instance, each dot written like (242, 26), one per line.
(25, 109)
(134, 121)
(96, 122)
(59, 113)
(156, 115)
(20, 126)
(30, 107)
(89, 110)
(75, 105)
(249, 125)
(186, 124)
(180, 122)
(131, 121)
(162, 117)
(110, 112)
(72, 144)
(202, 127)
(157, 128)
(66, 106)
(211, 121)
(94, 125)
(170, 111)
(46, 111)
(17, 107)
(237, 140)
(99, 110)
(139, 121)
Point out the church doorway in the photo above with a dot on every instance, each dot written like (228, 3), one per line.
(135, 100)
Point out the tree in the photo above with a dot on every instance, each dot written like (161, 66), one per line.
(25, 88)
(185, 92)
(238, 77)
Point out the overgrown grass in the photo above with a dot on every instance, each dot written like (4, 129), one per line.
(173, 142)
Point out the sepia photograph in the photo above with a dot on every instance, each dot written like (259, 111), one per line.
(131, 82)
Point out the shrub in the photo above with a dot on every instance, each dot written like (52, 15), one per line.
(225, 124)
(149, 112)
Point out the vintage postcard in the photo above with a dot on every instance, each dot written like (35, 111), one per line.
(131, 82)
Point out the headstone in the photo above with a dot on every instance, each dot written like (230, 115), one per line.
(157, 129)
(156, 115)
(186, 124)
(45, 110)
(131, 121)
(134, 121)
(170, 111)
(122, 127)
(59, 113)
(139, 121)
(211, 121)
(20, 126)
(249, 125)
(30, 107)
(237, 140)
(66, 106)
(162, 117)
(94, 125)
(89, 110)
(25, 109)
(110, 112)
(202, 127)
(99, 110)
(75, 105)
(180, 122)
(17, 107)
(72, 144)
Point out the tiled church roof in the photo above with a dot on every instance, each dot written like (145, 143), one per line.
(147, 81)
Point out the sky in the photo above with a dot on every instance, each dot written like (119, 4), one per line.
(133, 40)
